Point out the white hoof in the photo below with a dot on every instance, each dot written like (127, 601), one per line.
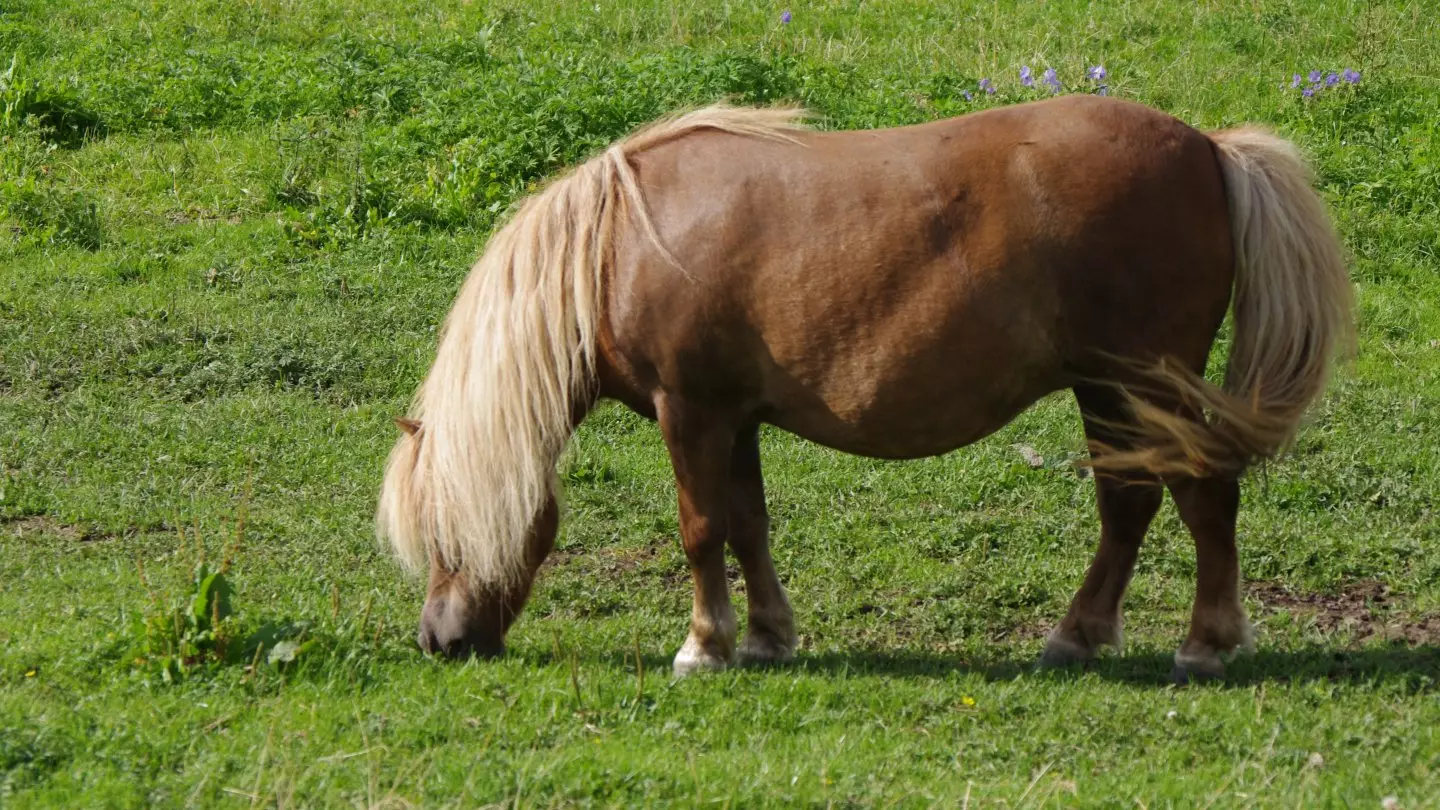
(693, 657)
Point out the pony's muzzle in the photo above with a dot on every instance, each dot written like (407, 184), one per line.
(456, 648)
(447, 629)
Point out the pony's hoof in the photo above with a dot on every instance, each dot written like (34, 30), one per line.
(764, 650)
(694, 658)
(1191, 668)
(1061, 652)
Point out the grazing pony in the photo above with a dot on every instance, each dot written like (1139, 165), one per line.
(895, 293)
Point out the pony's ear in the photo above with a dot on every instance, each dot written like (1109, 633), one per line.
(410, 426)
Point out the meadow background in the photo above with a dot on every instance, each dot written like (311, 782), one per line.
(228, 231)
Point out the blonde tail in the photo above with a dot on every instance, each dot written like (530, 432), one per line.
(1293, 311)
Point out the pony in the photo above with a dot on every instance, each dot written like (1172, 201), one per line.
(894, 293)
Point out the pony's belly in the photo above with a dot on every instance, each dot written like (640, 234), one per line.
(894, 446)
(927, 430)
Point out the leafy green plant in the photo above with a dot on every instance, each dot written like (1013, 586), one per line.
(196, 627)
(193, 628)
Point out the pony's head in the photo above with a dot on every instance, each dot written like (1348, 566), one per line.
(469, 604)
(464, 616)
(470, 486)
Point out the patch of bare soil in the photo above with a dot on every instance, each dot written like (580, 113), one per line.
(45, 525)
(1030, 631)
(614, 562)
(201, 215)
(1368, 610)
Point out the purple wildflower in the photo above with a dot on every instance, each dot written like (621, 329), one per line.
(1314, 77)
(1025, 77)
(987, 86)
(1297, 80)
(1331, 80)
(1308, 92)
(1097, 73)
(785, 17)
(1051, 80)
(1352, 76)
(967, 95)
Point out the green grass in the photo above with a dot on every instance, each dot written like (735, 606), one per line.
(228, 231)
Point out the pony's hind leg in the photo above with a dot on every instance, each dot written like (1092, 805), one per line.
(1127, 504)
(770, 635)
(1218, 625)
(700, 445)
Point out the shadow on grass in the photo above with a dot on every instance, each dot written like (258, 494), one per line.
(1416, 667)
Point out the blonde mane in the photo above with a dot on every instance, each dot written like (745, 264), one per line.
(516, 356)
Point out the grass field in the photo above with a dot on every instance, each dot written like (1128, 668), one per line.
(228, 231)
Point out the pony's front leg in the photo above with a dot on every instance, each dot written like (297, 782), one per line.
(770, 634)
(700, 444)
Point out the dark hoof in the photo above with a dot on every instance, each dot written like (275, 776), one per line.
(755, 652)
(1060, 653)
(1189, 671)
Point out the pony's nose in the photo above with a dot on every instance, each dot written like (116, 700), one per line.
(438, 637)
(436, 642)
(442, 634)
(427, 640)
